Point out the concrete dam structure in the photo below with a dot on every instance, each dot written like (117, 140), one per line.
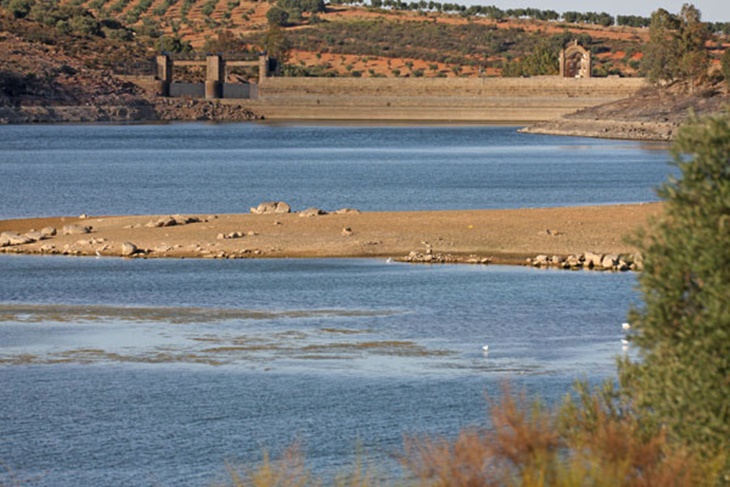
(469, 100)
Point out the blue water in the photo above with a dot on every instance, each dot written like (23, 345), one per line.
(159, 372)
(199, 168)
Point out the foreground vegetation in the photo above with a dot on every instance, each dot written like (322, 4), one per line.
(668, 421)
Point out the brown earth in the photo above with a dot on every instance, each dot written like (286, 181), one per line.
(43, 83)
(497, 236)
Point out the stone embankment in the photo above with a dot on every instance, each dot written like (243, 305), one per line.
(496, 100)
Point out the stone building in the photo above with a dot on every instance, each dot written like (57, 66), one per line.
(575, 61)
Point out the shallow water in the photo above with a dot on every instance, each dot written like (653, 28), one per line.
(161, 371)
(139, 372)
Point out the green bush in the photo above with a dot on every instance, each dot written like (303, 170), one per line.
(681, 383)
(85, 26)
(277, 16)
(173, 45)
(20, 8)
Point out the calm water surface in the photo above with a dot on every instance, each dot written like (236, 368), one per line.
(199, 168)
(157, 372)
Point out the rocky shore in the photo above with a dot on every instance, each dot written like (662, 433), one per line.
(517, 237)
(652, 114)
(137, 110)
(605, 129)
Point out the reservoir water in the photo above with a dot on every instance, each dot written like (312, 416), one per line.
(197, 168)
(160, 372)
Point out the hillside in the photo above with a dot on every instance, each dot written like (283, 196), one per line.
(70, 53)
(46, 76)
(340, 41)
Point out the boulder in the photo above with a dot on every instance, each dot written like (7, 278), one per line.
(76, 229)
(12, 238)
(129, 249)
(609, 261)
(34, 235)
(540, 260)
(593, 260)
(48, 232)
(347, 211)
(312, 212)
(271, 207)
(572, 262)
(166, 221)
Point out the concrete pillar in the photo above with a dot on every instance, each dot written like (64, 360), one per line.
(164, 75)
(586, 67)
(214, 77)
(263, 67)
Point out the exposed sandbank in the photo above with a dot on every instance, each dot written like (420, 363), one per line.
(496, 236)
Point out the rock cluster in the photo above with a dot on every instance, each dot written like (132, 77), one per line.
(309, 212)
(9, 239)
(74, 229)
(589, 260)
(171, 221)
(279, 207)
(231, 235)
(271, 207)
(428, 257)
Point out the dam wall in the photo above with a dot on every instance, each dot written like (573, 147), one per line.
(485, 100)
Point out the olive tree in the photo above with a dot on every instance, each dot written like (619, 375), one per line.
(676, 50)
(681, 381)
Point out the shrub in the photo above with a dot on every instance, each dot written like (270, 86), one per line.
(19, 8)
(725, 66)
(587, 444)
(683, 330)
(277, 16)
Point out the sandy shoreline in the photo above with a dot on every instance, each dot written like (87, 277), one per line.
(477, 236)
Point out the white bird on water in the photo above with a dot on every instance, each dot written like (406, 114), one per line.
(625, 326)
(485, 348)
(624, 342)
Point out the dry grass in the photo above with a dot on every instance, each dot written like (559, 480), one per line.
(593, 443)
(288, 471)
